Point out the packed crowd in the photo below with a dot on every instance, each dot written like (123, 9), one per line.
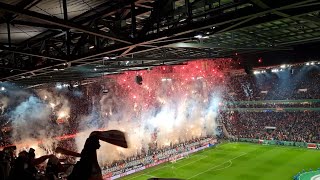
(141, 157)
(26, 166)
(266, 105)
(303, 83)
(156, 156)
(301, 126)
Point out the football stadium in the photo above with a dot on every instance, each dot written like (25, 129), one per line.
(159, 89)
(239, 161)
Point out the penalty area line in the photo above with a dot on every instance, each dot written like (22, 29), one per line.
(170, 165)
(191, 162)
(230, 160)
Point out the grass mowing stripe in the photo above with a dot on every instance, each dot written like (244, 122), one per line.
(165, 166)
(261, 162)
(230, 160)
(191, 162)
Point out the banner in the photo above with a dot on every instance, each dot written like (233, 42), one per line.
(270, 127)
(302, 90)
(312, 146)
(260, 141)
(281, 143)
(125, 172)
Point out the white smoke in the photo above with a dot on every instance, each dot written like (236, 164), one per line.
(4, 101)
(32, 122)
(59, 103)
(173, 115)
(178, 117)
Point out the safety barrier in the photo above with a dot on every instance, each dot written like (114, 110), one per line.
(141, 167)
(281, 143)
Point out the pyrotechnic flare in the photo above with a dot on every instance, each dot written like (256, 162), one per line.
(67, 152)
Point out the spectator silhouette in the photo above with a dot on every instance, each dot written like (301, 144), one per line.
(88, 168)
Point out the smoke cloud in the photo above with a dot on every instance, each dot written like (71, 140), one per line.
(167, 108)
(4, 101)
(173, 104)
(34, 119)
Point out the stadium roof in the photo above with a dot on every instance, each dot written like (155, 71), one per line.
(45, 41)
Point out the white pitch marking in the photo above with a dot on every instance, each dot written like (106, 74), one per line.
(203, 156)
(207, 150)
(217, 166)
(191, 162)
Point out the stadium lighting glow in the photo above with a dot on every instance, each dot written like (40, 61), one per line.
(59, 86)
(52, 105)
(91, 47)
(62, 114)
(283, 66)
(95, 69)
(200, 36)
(165, 79)
(307, 63)
(256, 72)
(312, 63)
(2, 88)
(275, 70)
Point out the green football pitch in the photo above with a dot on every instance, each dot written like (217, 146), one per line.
(237, 161)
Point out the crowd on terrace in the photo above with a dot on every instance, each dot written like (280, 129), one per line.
(298, 125)
(301, 126)
(151, 157)
(286, 100)
(301, 83)
(13, 168)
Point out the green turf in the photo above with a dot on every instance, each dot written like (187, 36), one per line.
(237, 161)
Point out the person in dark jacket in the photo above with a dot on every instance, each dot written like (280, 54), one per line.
(19, 170)
(88, 168)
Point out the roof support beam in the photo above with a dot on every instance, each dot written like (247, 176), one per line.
(265, 6)
(36, 24)
(202, 45)
(65, 17)
(24, 4)
(224, 21)
(58, 22)
(133, 20)
(3, 48)
(9, 33)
